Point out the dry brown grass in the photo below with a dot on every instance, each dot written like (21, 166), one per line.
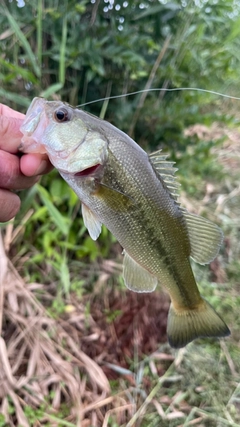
(48, 362)
(41, 357)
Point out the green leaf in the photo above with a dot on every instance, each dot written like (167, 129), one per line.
(23, 40)
(160, 8)
(40, 214)
(65, 276)
(27, 200)
(60, 422)
(61, 222)
(25, 74)
(51, 90)
(19, 99)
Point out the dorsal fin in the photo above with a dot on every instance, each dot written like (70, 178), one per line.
(205, 237)
(166, 171)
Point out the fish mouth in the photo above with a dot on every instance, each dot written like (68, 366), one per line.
(88, 171)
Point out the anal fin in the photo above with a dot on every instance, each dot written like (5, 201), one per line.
(91, 222)
(137, 278)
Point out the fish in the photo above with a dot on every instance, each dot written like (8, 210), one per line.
(136, 196)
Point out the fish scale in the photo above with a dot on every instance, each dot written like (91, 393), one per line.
(153, 230)
(135, 196)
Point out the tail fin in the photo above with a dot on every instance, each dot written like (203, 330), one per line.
(186, 325)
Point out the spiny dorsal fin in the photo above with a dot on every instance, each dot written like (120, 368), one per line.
(205, 237)
(166, 171)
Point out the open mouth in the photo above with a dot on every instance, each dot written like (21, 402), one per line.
(88, 171)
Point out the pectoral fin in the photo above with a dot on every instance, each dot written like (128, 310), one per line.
(115, 199)
(205, 238)
(136, 278)
(91, 222)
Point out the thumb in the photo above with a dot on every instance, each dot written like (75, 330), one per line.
(10, 135)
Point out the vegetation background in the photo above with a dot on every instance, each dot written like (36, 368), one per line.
(77, 348)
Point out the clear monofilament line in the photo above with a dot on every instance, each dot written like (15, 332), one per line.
(223, 95)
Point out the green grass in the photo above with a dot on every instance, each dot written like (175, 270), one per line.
(63, 299)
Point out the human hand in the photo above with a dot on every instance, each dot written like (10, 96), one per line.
(16, 173)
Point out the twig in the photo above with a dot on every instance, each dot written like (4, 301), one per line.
(151, 396)
(111, 411)
(94, 13)
(228, 358)
(149, 84)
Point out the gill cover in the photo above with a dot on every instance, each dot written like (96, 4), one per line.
(58, 129)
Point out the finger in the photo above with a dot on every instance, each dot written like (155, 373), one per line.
(9, 112)
(10, 135)
(35, 164)
(11, 177)
(9, 205)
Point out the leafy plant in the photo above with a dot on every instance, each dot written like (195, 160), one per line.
(61, 321)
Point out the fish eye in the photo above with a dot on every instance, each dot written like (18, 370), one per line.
(62, 115)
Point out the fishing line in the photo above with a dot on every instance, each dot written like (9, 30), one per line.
(212, 92)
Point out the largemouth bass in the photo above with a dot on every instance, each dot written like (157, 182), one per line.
(135, 196)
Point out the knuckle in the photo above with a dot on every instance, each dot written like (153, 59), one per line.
(4, 126)
(10, 205)
(8, 169)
